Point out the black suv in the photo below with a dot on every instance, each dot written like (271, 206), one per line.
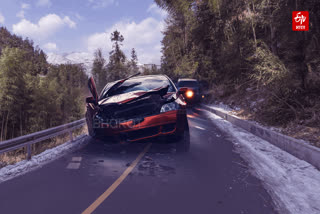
(192, 94)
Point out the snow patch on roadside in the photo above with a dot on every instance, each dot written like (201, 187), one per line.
(11, 171)
(225, 109)
(292, 183)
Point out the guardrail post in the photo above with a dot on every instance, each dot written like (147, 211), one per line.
(28, 152)
(71, 136)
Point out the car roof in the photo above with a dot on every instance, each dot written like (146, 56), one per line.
(143, 76)
(151, 75)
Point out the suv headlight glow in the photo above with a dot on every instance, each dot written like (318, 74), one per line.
(189, 94)
(169, 107)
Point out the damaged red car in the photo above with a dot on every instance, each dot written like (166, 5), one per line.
(138, 108)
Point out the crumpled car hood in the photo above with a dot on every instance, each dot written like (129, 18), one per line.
(122, 98)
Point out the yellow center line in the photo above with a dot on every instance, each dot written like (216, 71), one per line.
(108, 192)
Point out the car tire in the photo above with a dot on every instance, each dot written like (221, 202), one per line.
(183, 143)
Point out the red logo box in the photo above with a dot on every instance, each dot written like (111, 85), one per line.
(300, 20)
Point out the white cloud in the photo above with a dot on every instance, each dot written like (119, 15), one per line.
(20, 14)
(154, 9)
(101, 3)
(78, 16)
(2, 19)
(98, 40)
(144, 36)
(44, 3)
(69, 22)
(25, 6)
(50, 46)
(46, 26)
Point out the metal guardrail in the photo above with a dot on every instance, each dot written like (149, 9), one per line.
(28, 140)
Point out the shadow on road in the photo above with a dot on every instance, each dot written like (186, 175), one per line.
(96, 146)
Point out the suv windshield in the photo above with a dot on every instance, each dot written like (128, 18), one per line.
(141, 83)
(192, 84)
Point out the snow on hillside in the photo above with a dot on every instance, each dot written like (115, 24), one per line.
(82, 58)
(73, 58)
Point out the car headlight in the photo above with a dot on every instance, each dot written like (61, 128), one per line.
(189, 94)
(169, 107)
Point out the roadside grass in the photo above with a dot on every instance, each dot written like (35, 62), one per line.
(18, 155)
(295, 129)
(254, 104)
(249, 110)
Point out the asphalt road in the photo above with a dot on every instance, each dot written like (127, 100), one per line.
(211, 178)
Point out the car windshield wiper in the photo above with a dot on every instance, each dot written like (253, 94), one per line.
(119, 83)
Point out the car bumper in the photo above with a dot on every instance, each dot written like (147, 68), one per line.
(163, 124)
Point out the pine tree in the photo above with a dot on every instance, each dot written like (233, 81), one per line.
(99, 70)
(133, 64)
(117, 59)
(13, 88)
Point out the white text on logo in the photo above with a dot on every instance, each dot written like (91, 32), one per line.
(300, 19)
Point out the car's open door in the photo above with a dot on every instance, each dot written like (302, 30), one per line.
(92, 106)
(93, 90)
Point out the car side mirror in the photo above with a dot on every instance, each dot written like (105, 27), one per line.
(90, 100)
(182, 90)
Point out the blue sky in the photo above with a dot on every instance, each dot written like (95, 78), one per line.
(63, 26)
